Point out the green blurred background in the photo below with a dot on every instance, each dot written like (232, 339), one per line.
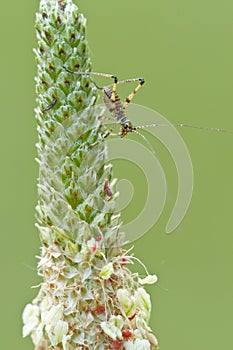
(184, 50)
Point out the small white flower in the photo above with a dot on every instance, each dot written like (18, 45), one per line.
(92, 245)
(29, 327)
(142, 325)
(142, 300)
(30, 319)
(117, 321)
(153, 340)
(128, 345)
(139, 344)
(113, 327)
(29, 312)
(56, 332)
(69, 272)
(126, 301)
(65, 342)
(45, 233)
(107, 271)
(37, 334)
(53, 315)
(87, 273)
(137, 333)
(150, 279)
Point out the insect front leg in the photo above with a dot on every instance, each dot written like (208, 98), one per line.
(104, 135)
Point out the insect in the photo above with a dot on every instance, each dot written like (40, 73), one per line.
(107, 188)
(51, 105)
(117, 107)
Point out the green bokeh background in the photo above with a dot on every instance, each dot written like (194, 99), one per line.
(184, 50)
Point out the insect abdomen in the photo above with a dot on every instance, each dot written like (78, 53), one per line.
(116, 108)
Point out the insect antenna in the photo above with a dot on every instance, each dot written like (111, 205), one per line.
(147, 142)
(177, 125)
(184, 125)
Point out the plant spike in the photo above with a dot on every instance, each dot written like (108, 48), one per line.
(88, 298)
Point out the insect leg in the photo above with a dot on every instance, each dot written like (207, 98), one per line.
(104, 136)
(105, 75)
(131, 96)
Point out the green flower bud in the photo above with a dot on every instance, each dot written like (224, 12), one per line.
(127, 301)
(150, 279)
(107, 271)
(142, 301)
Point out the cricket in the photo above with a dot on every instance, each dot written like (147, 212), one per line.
(117, 107)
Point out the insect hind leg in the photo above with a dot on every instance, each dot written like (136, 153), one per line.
(133, 93)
